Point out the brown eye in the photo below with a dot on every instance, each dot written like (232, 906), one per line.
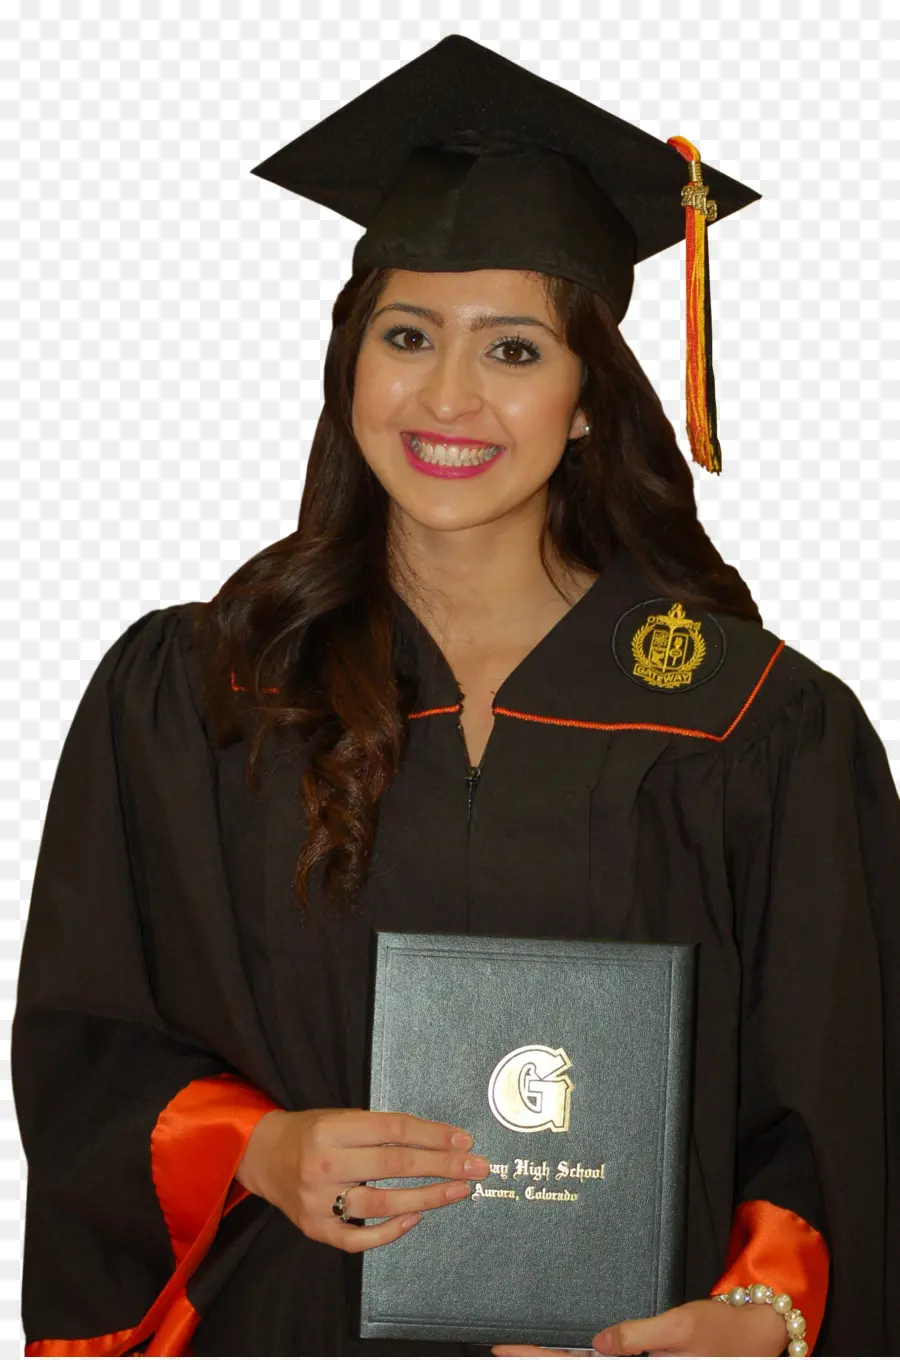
(402, 330)
(520, 343)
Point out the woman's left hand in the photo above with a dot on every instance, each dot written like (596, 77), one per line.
(701, 1327)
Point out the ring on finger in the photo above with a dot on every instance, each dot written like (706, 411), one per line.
(339, 1207)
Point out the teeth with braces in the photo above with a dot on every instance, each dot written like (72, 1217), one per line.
(452, 456)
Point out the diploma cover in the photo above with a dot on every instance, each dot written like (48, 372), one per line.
(571, 1063)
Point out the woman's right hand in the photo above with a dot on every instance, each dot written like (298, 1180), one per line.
(300, 1160)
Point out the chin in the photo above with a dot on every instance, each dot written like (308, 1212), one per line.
(449, 522)
(446, 518)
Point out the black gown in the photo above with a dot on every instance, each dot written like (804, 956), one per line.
(644, 780)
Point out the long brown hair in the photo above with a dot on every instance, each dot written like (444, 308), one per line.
(309, 618)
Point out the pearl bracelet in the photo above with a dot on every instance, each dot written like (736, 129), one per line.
(782, 1303)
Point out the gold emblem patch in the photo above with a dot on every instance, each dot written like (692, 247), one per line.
(669, 650)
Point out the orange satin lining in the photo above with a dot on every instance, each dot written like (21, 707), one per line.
(196, 1146)
(771, 1245)
(116, 1343)
(176, 1330)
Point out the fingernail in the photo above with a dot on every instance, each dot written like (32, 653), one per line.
(462, 1139)
(409, 1220)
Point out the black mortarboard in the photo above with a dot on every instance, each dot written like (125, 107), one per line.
(463, 159)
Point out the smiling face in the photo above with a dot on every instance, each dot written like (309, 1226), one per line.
(474, 356)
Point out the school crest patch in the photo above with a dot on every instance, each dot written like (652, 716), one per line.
(661, 646)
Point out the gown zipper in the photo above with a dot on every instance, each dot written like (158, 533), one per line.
(473, 775)
(473, 772)
(472, 778)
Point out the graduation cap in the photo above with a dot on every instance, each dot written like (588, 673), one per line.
(462, 159)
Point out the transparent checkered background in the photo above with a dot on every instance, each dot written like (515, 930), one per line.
(165, 316)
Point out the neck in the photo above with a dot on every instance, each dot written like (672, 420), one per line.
(484, 582)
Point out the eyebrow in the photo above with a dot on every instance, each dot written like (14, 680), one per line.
(479, 323)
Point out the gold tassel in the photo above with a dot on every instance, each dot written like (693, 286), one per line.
(700, 386)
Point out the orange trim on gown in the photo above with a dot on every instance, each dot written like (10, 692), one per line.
(771, 1245)
(195, 1147)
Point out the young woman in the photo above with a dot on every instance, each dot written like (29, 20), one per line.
(499, 680)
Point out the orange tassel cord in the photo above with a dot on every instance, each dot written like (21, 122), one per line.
(700, 387)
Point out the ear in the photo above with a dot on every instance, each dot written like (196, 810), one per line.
(579, 426)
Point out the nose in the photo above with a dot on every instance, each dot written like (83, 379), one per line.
(452, 388)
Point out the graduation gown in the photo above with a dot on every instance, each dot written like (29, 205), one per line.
(650, 776)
